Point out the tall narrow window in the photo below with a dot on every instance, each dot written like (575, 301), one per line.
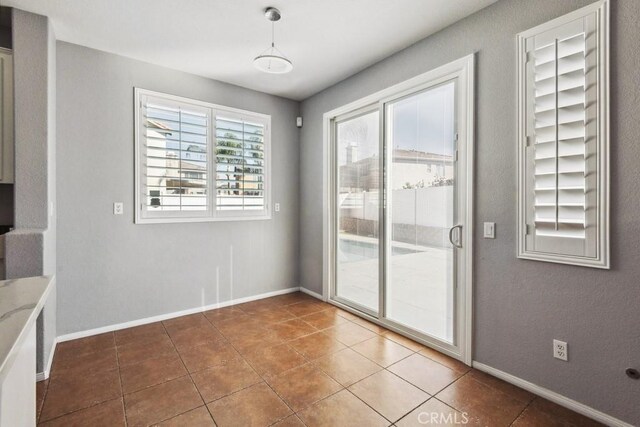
(563, 91)
(187, 148)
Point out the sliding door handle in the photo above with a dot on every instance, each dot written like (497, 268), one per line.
(459, 243)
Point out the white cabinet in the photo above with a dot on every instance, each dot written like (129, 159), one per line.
(17, 386)
(6, 116)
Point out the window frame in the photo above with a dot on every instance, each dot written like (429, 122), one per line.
(144, 216)
(602, 244)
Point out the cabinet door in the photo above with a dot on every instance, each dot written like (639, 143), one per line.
(6, 117)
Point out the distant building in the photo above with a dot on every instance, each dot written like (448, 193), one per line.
(412, 169)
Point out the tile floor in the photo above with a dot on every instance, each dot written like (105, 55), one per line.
(289, 360)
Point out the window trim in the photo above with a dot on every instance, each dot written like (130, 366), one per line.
(602, 258)
(211, 214)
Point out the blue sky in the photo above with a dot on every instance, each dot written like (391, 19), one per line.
(422, 122)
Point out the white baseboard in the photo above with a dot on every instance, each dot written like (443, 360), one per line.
(313, 294)
(146, 320)
(41, 376)
(554, 397)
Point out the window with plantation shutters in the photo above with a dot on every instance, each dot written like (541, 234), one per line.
(197, 161)
(240, 166)
(563, 127)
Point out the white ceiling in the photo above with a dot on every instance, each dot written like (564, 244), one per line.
(327, 40)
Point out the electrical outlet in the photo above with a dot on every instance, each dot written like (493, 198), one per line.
(560, 350)
(489, 230)
(277, 207)
(118, 208)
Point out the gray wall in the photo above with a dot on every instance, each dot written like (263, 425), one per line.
(30, 249)
(520, 306)
(111, 270)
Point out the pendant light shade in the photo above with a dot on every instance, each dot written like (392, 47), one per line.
(274, 64)
(272, 60)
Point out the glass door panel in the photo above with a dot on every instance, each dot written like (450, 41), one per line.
(420, 267)
(357, 202)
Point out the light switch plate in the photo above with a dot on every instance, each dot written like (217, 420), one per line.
(277, 207)
(489, 230)
(118, 208)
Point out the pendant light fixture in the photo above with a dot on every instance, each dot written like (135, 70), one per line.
(272, 60)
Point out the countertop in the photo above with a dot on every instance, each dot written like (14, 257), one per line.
(21, 301)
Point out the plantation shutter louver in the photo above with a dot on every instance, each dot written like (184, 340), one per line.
(564, 160)
(175, 157)
(240, 164)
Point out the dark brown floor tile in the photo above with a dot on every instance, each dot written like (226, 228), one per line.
(185, 322)
(290, 421)
(273, 360)
(221, 314)
(80, 347)
(190, 337)
(344, 313)
(542, 412)
(68, 394)
(161, 402)
(305, 308)
(434, 413)
(483, 404)
(151, 371)
(292, 329)
(85, 364)
(349, 333)
(496, 383)
(257, 306)
(424, 373)
(238, 326)
(369, 325)
(139, 334)
(324, 319)
(274, 315)
(402, 340)
(341, 409)
(445, 360)
(207, 354)
(219, 381)
(316, 345)
(136, 352)
(347, 366)
(252, 340)
(199, 417)
(292, 298)
(106, 414)
(382, 351)
(257, 405)
(303, 386)
(389, 395)
(41, 391)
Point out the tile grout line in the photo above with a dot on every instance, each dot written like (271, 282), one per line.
(522, 412)
(124, 408)
(188, 374)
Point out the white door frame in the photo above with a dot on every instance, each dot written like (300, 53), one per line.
(462, 70)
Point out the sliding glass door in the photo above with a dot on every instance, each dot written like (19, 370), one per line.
(420, 148)
(400, 201)
(358, 206)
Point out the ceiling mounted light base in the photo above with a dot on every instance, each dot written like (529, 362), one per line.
(272, 60)
(272, 14)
